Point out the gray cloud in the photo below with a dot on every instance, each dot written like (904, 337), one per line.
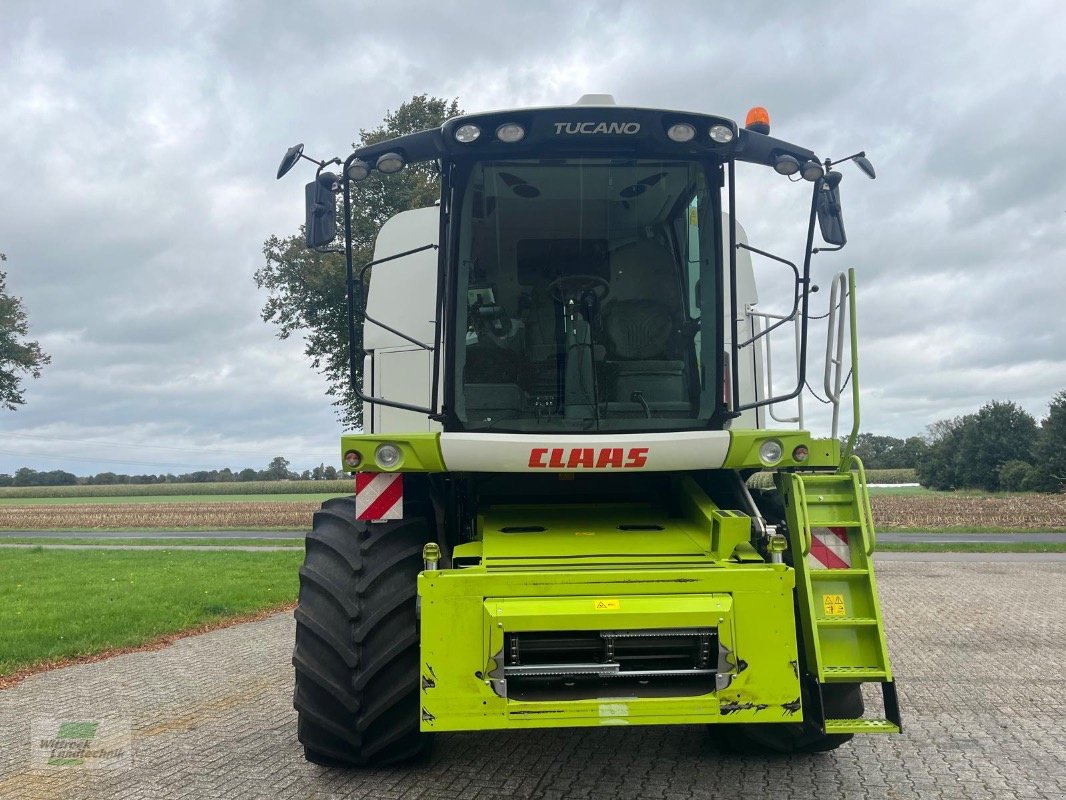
(141, 141)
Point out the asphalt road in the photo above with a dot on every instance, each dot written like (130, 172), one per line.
(979, 651)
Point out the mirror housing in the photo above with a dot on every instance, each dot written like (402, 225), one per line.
(320, 225)
(827, 204)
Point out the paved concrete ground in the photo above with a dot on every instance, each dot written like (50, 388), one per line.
(979, 651)
(1004, 537)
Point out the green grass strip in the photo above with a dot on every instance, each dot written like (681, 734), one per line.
(971, 547)
(59, 604)
(200, 499)
(113, 541)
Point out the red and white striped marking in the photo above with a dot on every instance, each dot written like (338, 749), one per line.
(829, 549)
(378, 496)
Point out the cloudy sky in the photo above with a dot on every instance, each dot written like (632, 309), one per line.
(141, 140)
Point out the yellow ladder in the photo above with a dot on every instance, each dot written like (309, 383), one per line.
(831, 536)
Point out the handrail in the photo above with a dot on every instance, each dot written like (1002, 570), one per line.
(832, 379)
(864, 499)
(806, 537)
(853, 438)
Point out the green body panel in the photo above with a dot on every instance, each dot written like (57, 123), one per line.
(421, 451)
(744, 449)
(467, 612)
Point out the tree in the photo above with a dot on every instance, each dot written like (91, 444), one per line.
(278, 470)
(306, 288)
(330, 473)
(968, 452)
(1049, 470)
(18, 357)
(247, 474)
(888, 452)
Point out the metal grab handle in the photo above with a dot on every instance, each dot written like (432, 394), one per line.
(864, 508)
(834, 361)
(806, 537)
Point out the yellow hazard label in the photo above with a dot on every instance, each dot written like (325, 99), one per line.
(693, 217)
(833, 605)
(606, 605)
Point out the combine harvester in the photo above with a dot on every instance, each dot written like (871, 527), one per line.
(567, 385)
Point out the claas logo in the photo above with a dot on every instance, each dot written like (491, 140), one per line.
(588, 458)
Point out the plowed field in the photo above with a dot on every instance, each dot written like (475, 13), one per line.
(1030, 512)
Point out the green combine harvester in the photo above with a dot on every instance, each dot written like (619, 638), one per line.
(567, 387)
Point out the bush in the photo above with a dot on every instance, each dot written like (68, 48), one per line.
(1013, 475)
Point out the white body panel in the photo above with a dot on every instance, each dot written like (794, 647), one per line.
(520, 452)
(402, 294)
(752, 369)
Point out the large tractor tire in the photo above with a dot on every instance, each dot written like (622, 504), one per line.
(841, 701)
(357, 639)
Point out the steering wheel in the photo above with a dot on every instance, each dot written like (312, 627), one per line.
(567, 287)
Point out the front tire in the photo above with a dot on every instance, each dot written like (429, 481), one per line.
(357, 639)
(841, 701)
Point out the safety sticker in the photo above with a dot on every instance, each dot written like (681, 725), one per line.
(378, 496)
(606, 605)
(829, 549)
(833, 605)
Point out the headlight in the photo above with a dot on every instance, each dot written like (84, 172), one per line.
(388, 456)
(358, 170)
(770, 451)
(352, 459)
(465, 134)
(722, 134)
(510, 132)
(681, 132)
(801, 453)
(390, 163)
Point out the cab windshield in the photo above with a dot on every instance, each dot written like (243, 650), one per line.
(581, 288)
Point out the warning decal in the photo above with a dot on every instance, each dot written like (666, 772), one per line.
(606, 605)
(378, 496)
(829, 549)
(833, 605)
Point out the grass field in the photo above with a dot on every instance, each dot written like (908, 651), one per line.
(340, 486)
(261, 514)
(62, 604)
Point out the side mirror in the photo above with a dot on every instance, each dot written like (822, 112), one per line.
(320, 225)
(827, 204)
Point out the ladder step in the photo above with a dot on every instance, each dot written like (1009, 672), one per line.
(845, 622)
(834, 574)
(860, 726)
(855, 674)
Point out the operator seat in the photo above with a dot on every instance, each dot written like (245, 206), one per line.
(639, 320)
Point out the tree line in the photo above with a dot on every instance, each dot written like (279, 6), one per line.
(276, 470)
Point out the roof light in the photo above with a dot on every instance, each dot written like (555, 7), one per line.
(510, 132)
(465, 134)
(681, 132)
(786, 165)
(722, 134)
(758, 120)
(390, 163)
(812, 171)
(358, 170)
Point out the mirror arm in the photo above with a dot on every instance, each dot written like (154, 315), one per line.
(828, 163)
